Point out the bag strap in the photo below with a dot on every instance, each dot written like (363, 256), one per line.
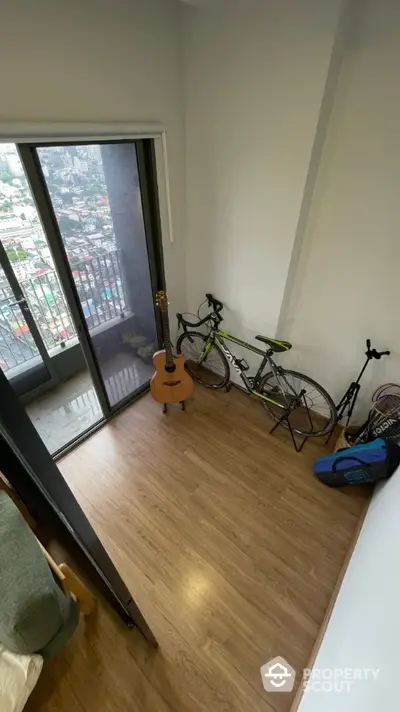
(348, 457)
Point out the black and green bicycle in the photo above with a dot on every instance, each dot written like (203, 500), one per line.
(294, 400)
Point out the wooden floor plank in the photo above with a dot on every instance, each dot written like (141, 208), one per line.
(227, 542)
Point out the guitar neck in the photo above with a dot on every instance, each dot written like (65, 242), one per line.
(167, 337)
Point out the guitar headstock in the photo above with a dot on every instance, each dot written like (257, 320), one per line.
(162, 300)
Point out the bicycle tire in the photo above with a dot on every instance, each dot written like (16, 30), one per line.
(276, 414)
(201, 377)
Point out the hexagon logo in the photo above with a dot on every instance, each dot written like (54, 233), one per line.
(277, 675)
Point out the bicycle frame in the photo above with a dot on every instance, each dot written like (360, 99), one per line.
(218, 336)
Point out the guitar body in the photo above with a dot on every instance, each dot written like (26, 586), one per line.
(170, 387)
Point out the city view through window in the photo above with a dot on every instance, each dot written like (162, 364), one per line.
(95, 196)
(75, 179)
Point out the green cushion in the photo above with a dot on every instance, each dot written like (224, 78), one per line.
(60, 639)
(35, 615)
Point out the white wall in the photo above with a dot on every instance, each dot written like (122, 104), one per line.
(346, 286)
(255, 72)
(364, 629)
(97, 60)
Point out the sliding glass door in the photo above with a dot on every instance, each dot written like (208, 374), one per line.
(23, 355)
(40, 353)
(86, 314)
(25, 334)
(96, 198)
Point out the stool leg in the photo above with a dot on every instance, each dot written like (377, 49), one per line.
(72, 584)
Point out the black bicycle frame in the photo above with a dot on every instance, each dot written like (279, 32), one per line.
(215, 335)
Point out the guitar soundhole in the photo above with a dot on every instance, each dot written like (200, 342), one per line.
(170, 368)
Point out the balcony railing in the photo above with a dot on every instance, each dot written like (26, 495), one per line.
(101, 291)
(16, 342)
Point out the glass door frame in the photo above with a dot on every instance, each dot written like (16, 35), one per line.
(149, 196)
(22, 303)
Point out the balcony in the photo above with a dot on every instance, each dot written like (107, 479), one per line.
(71, 405)
(63, 413)
(100, 288)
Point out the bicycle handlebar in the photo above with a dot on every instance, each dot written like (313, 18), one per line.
(185, 322)
(212, 302)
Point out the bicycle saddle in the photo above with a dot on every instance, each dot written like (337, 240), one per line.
(275, 344)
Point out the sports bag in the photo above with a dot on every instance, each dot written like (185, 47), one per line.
(365, 463)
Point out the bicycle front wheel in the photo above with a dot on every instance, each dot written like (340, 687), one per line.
(205, 361)
(313, 413)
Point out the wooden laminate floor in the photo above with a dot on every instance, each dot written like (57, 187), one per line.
(227, 542)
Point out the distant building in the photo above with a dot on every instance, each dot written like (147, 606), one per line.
(93, 151)
(14, 164)
(24, 269)
(14, 228)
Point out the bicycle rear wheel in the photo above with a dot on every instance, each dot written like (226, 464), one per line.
(205, 361)
(316, 413)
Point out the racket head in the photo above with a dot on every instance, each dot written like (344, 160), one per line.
(385, 415)
(386, 389)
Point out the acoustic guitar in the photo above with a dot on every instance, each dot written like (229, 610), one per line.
(170, 382)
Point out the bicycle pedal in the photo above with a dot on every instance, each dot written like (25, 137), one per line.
(228, 387)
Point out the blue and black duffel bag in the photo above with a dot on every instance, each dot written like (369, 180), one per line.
(366, 463)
